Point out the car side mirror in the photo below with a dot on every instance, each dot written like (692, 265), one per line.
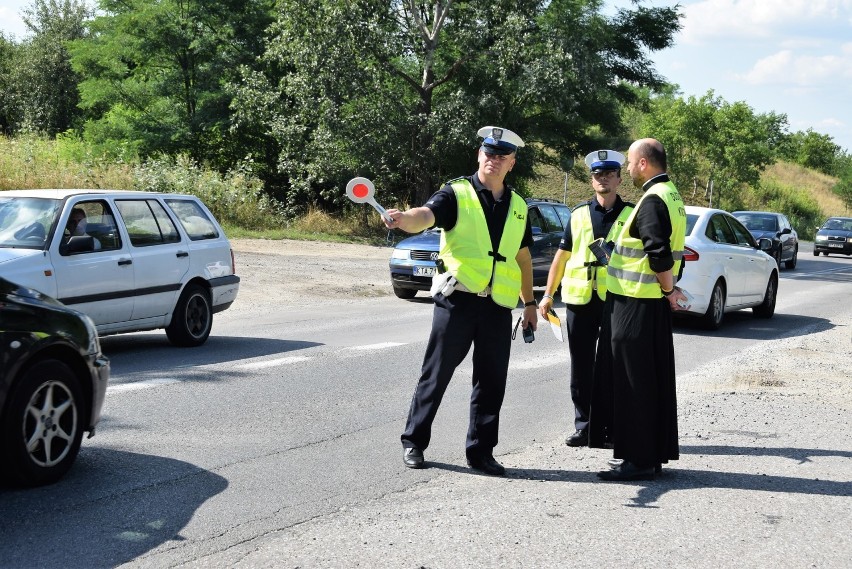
(764, 244)
(79, 244)
(536, 230)
(786, 231)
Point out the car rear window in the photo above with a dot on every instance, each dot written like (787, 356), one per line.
(194, 219)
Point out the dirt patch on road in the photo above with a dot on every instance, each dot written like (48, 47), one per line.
(294, 272)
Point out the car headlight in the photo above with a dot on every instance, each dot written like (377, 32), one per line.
(821, 238)
(849, 239)
(401, 254)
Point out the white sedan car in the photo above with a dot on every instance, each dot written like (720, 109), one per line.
(725, 268)
(130, 260)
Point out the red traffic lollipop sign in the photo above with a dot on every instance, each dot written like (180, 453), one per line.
(361, 190)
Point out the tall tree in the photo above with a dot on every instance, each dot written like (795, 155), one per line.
(155, 72)
(396, 89)
(714, 145)
(813, 150)
(41, 85)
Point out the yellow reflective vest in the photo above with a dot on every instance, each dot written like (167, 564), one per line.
(583, 273)
(629, 271)
(466, 248)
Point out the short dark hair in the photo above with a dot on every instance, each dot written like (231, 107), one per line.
(654, 152)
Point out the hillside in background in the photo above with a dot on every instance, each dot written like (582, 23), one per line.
(803, 194)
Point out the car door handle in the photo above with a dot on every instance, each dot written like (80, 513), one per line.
(180, 254)
(125, 262)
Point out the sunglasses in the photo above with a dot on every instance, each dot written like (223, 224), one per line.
(497, 157)
(605, 174)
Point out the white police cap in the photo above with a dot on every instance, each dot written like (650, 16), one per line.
(601, 160)
(499, 140)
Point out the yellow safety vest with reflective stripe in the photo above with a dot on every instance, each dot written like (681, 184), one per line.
(466, 248)
(629, 271)
(582, 272)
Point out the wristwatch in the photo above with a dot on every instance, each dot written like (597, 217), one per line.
(666, 292)
(530, 303)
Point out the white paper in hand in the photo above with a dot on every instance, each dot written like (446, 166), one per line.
(555, 325)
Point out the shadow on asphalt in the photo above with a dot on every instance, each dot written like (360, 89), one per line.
(741, 324)
(111, 508)
(674, 479)
(138, 350)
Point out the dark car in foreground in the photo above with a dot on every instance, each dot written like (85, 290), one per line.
(835, 236)
(412, 263)
(777, 228)
(52, 384)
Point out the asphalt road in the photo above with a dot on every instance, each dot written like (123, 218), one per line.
(277, 445)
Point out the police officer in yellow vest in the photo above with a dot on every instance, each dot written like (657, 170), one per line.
(583, 279)
(641, 296)
(485, 248)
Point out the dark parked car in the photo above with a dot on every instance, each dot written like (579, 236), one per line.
(835, 236)
(774, 226)
(52, 384)
(412, 263)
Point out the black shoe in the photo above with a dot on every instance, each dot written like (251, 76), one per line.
(616, 462)
(412, 457)
(580, 438)
(486, 465)
(627, 471)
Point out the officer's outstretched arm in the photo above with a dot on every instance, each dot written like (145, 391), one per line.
(413, 220)
(524, 260)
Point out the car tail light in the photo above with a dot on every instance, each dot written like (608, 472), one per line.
(690, 254)
(233, 264)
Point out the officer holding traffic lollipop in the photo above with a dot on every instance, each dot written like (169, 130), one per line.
(487, 267)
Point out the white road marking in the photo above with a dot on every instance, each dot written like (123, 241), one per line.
(138, 385)
(381, 346)
(276, 362)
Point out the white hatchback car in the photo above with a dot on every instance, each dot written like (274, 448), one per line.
(130, 260)
(725, 268)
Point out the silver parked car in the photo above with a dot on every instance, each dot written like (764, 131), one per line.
(725, 268)
(129, 260)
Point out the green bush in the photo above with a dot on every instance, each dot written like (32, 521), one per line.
(234, 198)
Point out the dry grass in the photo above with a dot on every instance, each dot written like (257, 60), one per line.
(818, 185)
(30, 162)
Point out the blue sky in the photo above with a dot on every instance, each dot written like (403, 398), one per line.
(788, 56)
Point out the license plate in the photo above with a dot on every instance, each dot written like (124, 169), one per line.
(424, 271)
(836, 245)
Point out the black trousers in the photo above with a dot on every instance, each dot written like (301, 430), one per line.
(584, 323)
(635, 406)
(459, 321)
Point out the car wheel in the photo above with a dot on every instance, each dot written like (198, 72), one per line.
(825, 253)
(816, 253)
(767, 308)
(791, 264)
(406, 293)
(712, 319)
(777, 256)
(192, 319)
(43, 425)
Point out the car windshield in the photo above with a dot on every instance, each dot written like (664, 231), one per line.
(755, 222)
(25, 222)
(838, 224)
